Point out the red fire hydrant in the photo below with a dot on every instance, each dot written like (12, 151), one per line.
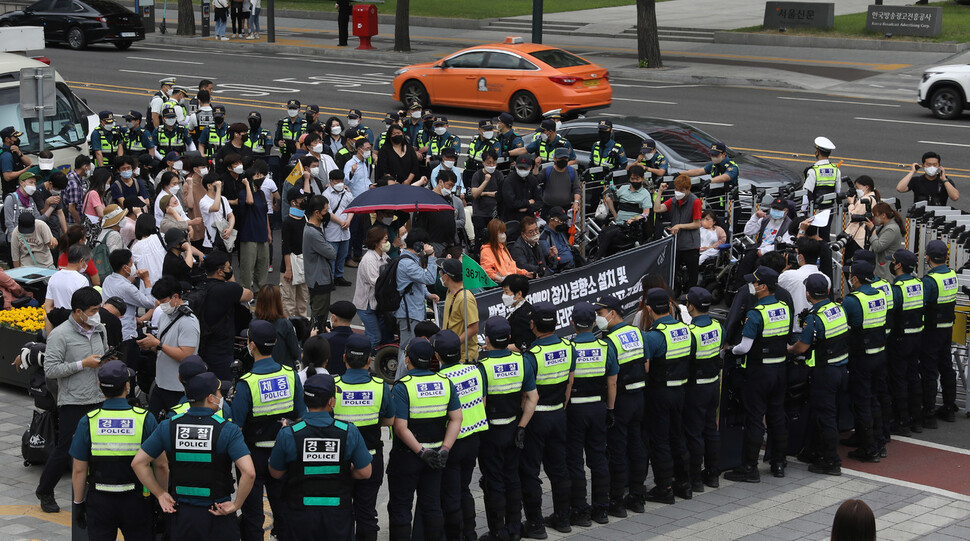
(365, 24)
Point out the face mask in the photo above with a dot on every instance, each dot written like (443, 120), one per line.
(297, 213)
(543, 136)
(325, 219)
(353, 122)
(507, 300)
(416, 115)
(649, 156)
(522, 172)
(335, 130)
(166, 309)
(130, 125)
(562, 163)
(292, 112)
(932, 170)
(137, 171)
(173, 189)
(177, 165)
(489, 169)
(397, 139)
(219, 119)
(338, 187)
(445, 192)
(94, 320)
(448, 164)
(222, 403)
(635, 185)
(679, 195)
(317, 148)
(254, 125)
(562, 228)
(365, 154)
(751, 290)
(388, 220)
(315, 171)
(127, 174)
(55, 192)
(227, 274)
(238, 169)
(859, 193)
(170, 122)
(203, 171)
(777, 214)
(440, 130)
(602, 323)
(488, 134)
(29, 189)
(532, 240)
(502, 237)
(88, 173)
(558, 125)
(605, 136)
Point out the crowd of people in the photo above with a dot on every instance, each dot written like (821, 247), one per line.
(162, 241)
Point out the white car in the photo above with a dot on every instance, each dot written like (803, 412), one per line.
(944, 90)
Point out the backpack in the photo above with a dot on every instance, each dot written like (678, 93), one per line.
(100, 255)
(37, 388)
(548, 171)
(385, 289)
(37, 443)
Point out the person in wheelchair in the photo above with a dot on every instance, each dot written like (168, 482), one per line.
(631, 208)
(556, 235)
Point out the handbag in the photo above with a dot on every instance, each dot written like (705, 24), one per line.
(299, 274)
(221, 224)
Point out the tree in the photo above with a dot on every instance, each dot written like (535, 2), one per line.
(186, 25)
(648, 42)
(402, 30)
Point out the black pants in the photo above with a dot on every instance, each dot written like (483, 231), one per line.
(936, 363)
(130, 353)
(358, 229)
(457, 502)
(109, 512)
(827, 383)
(220, 365)
(545, 446)
(700, 427)
(480, 225)
(251, 521)
(763, 398)
(60, 461)
(668, 452)
(365, 497)
(904, 380)
(625, 445)
(609, 238)
(343, 21)
(500, 480)
(866, 411)
(161, 400)
(407, 474)
(196, 523)
(586, 432)
(311, 522)
(691, 260)
(236, 14)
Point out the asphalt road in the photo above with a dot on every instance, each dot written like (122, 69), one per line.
(874, 136)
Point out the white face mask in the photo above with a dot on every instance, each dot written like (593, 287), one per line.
(502, 237)
(489, 169)
(508, 300)
(292, 112)
(440, 130)
(543, 136)
(932, 170)
(203, 171)
(388, 220)
(94, 320)
(335, 130)
(46, 164)
(751, 289)
(385, 246)
(173, 189)
(445, 192)
(416, 115)
(238, 169)
(315, 171)
(177, 165)
(522, 172)
(137, 171)
(859, 193)
(679, 195)
(488, 134)
(448, 164)
(649, 156)
(338, 187)
(558, 125)
(170, 122)
(365, 154)
(222, 402)
(166, 309)
(317, 148)
(353, 122)
(602, 323)
(29, 189)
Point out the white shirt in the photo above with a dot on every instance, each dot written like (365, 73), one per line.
(149, 253)
(208, 216)
(156, 104)
(794, 281)
(339, 201)
(62, 286)
(269, 188)
(771, 233)
(193, 120)
(326, 165)
(159, 213)
(708, 238)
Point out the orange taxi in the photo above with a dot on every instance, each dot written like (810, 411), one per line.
(521, 78)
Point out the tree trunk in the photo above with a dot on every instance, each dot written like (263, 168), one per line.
(648, 42)
(402, 31)
(186, 25)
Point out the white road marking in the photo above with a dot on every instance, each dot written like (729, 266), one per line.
(946, 144)
(900, 482)
(165, 60)
(838, 101)
(364, 92)
(645, 101)
(166, 74)
(930, 444)
(701, 122)
(940, 124)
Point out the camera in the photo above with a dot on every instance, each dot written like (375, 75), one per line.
(857, 218)
(840, 241)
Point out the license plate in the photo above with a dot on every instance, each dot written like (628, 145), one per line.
(591, 82)
(128, 34)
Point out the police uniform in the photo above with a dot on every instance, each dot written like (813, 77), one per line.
(940, 286)
(355, 114)
(190, 367)
(288, 132)
(656, 160)
(156, 104)
(457, 502)
(365, 401)
(703, 395)
(170, 138)
(319, 454)
(216, 136)
(136, 140)
(596, 366)
(547, 149)
(904, 346)
(508, 142)
(606, 152)
(506, 380)
(437, 143)
(105, 139)
(823, 178)
(265, 396)
(107, 439)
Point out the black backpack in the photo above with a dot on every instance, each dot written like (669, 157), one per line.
(385, 289)
(38, 440)
(196, 299)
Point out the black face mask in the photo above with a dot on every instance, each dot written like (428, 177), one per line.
(605, 136)
(562, 228)
(254, 124)
(397, 139)
(562, 163)
(325, 219)
(309, 117)
(228, 274)
(219, 119)
(636, 185)
(428, 125)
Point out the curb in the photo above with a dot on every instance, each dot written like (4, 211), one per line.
(672, 75)
(775, 40)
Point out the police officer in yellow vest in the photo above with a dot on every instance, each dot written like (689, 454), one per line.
(265, 397)
(764, 341)
(105, 442)
(439, 140)
(260, 140)
(190, 367)
(510, 401)
(940, 288)
(427, 419)
(826, 335)
(904, 344)
(135, 139)
(544, 147)
(606, 152)
(215, 136)
(822, 178)
(625, 443)
(553, 360)
(593, 396)
(865, 310)
(170, 137)
(477, 148)
(321, 458)
(703, 392)
(106, 140)
(457, 502)
(652, 160)
(177, 101)
(365, 401)
(354, 116)
(669, 349)
(289, 130)
(200, 450)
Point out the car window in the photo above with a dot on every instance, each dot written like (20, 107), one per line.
(582, 138)
(468, 60)
(691, 145)
(64, 129)
(631, 142)
(43, 5)
(558, 58)
(78, 8)
(505, 61)
(62, 6)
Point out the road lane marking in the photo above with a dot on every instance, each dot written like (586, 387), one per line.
(645, 101)
(838, 101)
(169, 74)
(385, 94)
(902, 166)
(940, 124)
(701, 122)
(938, 143)
(165, 60)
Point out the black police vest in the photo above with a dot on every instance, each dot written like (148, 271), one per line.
(197, 469)
(321, 476)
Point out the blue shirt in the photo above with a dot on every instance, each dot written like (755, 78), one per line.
(808, 331)
(729, 169)
(433, 179)
(226, 412)
(561, 243)
(533, 147)
(654, 343)
(361, 375)
(402, 404)
(81, 444)
(359, 181)
(337, 338)
(930, 293)
(6, 160)
(284, 452)
(528, 373)
(242, 402)
(230, 442)
(853, 308)
(612, 365)
(145, 138)
(409, 271)
(529, 358)
(753, 324)
(255, 221)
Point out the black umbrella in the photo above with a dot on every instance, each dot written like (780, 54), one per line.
(398, 197)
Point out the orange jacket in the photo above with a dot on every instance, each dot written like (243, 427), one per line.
(500, 264)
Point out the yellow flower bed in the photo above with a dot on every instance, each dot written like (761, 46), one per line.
(23, 319)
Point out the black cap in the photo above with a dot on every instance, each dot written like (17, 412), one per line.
(293, 104)
(779, 204)
(544, 312)
(440, 119)
(343, 309)
(524, 159)
(319, 387)
(420, 352)
(561, 152)
(610, 303)
(168, 112)
(175, 237)
(485, 125)
(558, 213)
(816, 285)
(497, 328)
(699, 297)
(354, 113)
(25, 223)
(10, 131)
(447, 344)
(449, 152)
(762, 275)
(506, 118)
(414, 104)
(718, 148)
(451, 267)
(391, 118)
(605, 125)
(862, 269)
(191, 366)
(548, 124)
(133, 115)
(118, 304)
(657, 297)
(294, 194)
(937, 249)
(113, 375)
(201, 386)
(313, 108)
(648, 145)
(584, 314)
(219, 110)
(864, 255)
(904, 257)
(106, 115)
(262, 333)
(357, 345)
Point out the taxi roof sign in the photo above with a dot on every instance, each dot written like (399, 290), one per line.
(514, 40)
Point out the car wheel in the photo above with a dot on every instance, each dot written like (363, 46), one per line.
(123, 45)
(524, 106)
(76, 39)
(385, 363)
(946, 103)
(413, 90)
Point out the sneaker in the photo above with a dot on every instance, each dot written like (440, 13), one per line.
(899, 429)
(778, 469)
(351, 262)
(683, 490)
(946, 414)
(863, 456)
(600, 516)
(250, 36)
(825, 469)
(883, 453)
(577, 518)
(533, 530)
(635, 503)
(617, 509)
(47, 503)
(697, 485)
(711, 478)
(224, 38)
(930, 423)
(341, 281)
(852, 441)
(916, 427)
(743, 475)
(660, 495)
(808, 457)
(560, 523)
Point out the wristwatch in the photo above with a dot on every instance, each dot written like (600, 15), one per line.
(158, 348)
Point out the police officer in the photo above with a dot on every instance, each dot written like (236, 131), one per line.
(200, 473)
(865, 310)
(322, 458)
(723, 172)
(510, 401)
(157, 103)
(822, 178)
(192, 366)
(266, 396)
(354, 117)
(177, 101)
(390, 119)
(216, 136)
(440, 140)
(413, 125)
(311, 117)
(606, 152)
(106, 141)
(104, 443)
(426, 424)
(652, 160)
(457, 502)
(554, 115)
(904, 344)
(703, 392)
(588, 415)
(826, 334)
(288, 131)
(477, 148)
(625, 445)
(545, 146)
(260, 140)
(764, 339)
(940, 288)
(170, 137)
(136, 140)
(508, 140)
(365, 401)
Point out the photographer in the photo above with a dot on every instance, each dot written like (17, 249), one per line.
(860, 211)
(933, 186)
(176, 337)
(121, 283)
(886, 236)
